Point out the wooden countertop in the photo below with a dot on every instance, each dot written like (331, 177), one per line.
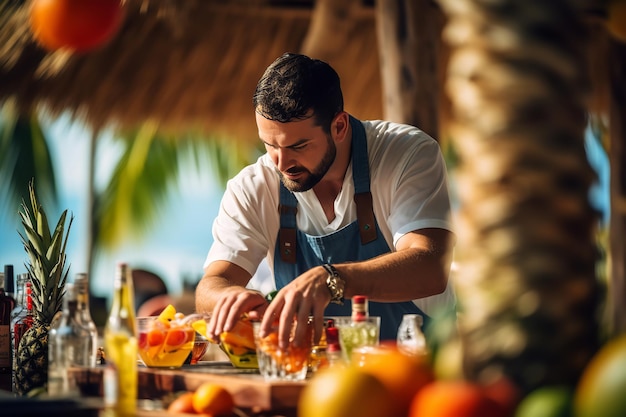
(248, 387)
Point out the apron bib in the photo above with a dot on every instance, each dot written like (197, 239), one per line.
(297, 252)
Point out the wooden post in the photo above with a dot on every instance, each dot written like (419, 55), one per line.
(329, 29)
(409, 34)
(617, 155)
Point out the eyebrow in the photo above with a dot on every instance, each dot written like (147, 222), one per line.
(293, 145)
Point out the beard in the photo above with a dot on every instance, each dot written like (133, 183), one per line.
(311, 178)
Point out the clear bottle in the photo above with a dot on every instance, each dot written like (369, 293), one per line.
(21, 323)
(69, 346)
(83, 314)
(7, 303)
(120, 344)
(20, 297)
(411, 339)
(362, 330)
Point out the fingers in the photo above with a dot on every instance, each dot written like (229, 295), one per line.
(230, 307)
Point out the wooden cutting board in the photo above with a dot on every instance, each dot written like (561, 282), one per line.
(248, 387)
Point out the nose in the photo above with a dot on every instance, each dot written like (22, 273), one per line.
(282, 158)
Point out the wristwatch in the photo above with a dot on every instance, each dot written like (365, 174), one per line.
(335, 284)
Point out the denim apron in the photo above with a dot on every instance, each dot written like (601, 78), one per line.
(297, 252)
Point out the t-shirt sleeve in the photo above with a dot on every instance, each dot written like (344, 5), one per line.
(419, 193)
(244, 222)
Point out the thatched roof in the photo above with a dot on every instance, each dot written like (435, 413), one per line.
(190, 64)
(186, 64)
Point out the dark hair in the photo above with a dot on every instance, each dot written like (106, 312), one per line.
(295, 84)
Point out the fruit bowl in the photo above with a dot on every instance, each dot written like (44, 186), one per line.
(165, 341)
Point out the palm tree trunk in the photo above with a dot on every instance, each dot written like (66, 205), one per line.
(526, 247)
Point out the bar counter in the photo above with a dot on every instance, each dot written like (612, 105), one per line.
(252, 394)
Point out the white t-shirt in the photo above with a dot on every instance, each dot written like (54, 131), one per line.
(408, 181)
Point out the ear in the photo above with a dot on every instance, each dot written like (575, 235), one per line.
(340, 127)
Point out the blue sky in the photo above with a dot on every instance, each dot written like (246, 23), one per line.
(176, 246)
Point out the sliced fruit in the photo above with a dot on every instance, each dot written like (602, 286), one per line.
(200, 327)
(167, 314)
(241, 335)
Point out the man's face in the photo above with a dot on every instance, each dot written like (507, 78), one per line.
(301, 151)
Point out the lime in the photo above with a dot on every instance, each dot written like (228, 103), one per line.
(601, 390)
(550, 401)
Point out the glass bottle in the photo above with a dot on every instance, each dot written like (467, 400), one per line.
(333, 348)
(411, 339)
(20, 297)
(83, 314)
(120, 344)
(22, 322)
(69, 346)
(9, 281)
(362, 329)
(7, 303)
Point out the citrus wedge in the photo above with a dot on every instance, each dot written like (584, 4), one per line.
(167, 314)
(200, 327)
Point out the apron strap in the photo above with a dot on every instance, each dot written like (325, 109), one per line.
(287, 233)
(361, 177)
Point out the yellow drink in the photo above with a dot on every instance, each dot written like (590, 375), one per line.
(120, 375)
(165, 347)
(121, 378)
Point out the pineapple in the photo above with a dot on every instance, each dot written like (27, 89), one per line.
(46, 265)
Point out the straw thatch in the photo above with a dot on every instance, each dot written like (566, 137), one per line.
(193, 64)
(185, 64)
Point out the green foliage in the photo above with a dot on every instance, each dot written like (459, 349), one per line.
(24, 154)
(46, 255)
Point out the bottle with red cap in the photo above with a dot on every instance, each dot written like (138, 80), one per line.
(362, 330)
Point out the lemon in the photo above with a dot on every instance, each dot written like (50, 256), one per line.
(553, 401)
(342, 392)
(167, 314)
(200, 327)
(601, 390)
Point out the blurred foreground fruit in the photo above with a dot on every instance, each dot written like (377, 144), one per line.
(601, 390)
(403, 375)
(78, 25)
(344, 392)
(213, 399)
(182, 404)
(454, 399)
(554, 401)
(616, 19)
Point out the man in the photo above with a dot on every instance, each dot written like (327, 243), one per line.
(337, 206)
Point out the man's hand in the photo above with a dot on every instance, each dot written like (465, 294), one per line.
(233, 302)
(305, 296)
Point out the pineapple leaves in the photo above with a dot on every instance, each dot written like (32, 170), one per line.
(46, 254)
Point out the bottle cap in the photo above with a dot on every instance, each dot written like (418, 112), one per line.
(332, 335)
(359, 299)
(9, 283)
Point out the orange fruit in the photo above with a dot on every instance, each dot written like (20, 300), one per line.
(155, 337)
(76, 24)
(342, 392)
(504, 392)
(182, 404)
(454, 398)
(213, 399)
(601, 389)
(616, 19)
(403, 375)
